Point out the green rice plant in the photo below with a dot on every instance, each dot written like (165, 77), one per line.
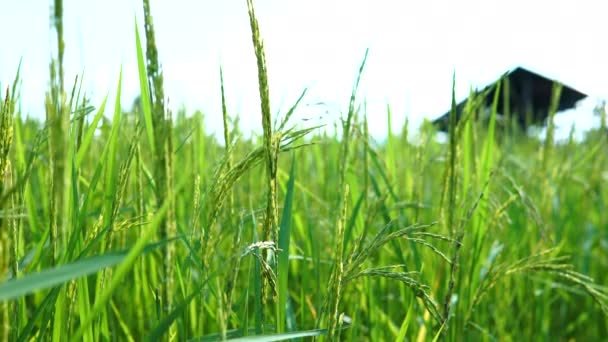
(493, 235)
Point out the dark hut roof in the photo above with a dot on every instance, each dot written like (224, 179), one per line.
(529, 98)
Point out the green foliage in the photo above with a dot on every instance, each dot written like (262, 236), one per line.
(176, 235)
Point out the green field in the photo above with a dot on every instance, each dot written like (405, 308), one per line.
(130, 226)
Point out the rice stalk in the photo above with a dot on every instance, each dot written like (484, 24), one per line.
(162, 132)
(227, 141)
(336, 281)
(9, 245)
(271, 224)
(6, 138)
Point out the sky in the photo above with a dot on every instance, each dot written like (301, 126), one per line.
(414, 49)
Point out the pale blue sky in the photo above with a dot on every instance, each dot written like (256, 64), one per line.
(414, 48)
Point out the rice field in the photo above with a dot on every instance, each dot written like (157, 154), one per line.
(131, 226)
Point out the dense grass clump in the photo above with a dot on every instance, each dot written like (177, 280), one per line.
(294, 234)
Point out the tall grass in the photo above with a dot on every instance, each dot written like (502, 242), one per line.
(297, 233)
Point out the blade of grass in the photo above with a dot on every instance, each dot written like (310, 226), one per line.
(45, 279)
(406, 321)
(145, 91)
(280, 337)
(284, 239)
(88, 137)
